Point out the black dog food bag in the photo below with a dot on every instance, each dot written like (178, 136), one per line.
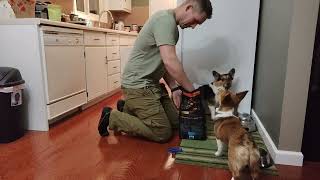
(192, 123)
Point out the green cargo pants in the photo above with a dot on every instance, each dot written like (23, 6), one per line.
(148, 112)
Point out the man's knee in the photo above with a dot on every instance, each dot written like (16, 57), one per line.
(164, 137)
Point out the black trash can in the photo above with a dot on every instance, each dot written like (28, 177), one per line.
(11, 111)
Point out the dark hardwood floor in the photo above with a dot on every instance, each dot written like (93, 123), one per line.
(73, 149)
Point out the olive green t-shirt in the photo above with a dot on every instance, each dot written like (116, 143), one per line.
(145, 66)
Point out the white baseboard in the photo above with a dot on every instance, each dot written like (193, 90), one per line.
(279, 156)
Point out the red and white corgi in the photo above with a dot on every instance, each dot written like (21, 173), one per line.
(242, 151)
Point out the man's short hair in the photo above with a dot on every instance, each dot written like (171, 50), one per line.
(204, 6)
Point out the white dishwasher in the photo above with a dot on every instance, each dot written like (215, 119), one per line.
(64, 70)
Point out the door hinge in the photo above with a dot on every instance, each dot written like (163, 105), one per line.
(87, 94)
(84, 54)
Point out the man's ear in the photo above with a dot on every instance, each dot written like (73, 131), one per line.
(189, 7)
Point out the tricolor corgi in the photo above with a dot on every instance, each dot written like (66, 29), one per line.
(220, 83)
(242, 151)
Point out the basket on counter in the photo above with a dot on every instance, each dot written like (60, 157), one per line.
(23, 8)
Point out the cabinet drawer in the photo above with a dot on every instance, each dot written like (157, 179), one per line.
(127, 40)
(114, 81)
(113, 67)
(112, 39)
(94, 39)
(113, 53)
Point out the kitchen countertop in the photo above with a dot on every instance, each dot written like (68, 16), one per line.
(39, 21)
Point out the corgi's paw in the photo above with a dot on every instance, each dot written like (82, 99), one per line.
(218, 153)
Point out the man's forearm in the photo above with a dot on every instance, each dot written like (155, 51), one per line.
(174, 67)
(175, 70)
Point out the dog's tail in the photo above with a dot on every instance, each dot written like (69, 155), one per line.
(254, 158)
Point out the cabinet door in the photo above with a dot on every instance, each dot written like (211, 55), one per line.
(114, 82)
(127, 5)
(120, 5)
(113, 52)
(96, 71)
(113, 67)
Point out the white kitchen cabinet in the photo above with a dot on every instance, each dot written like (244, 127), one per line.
(120, 5)
(96, 64)
(113, 67)
(94, 39)
(113, 57)
(113, 53)
(86, 9)
(114, 81)
(112, 39)
(96, 71)
(61, 64)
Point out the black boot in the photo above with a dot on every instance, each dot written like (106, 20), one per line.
(120, 105)
(104, 121)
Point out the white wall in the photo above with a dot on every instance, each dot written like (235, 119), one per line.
(226, 41)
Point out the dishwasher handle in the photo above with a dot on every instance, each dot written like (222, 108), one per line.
(63, 39)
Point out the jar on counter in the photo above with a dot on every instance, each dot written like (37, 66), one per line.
(127, 28)
(135, 27)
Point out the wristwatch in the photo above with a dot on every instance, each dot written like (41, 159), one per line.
(175, 88)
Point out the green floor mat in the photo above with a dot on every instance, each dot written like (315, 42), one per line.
(198, 152)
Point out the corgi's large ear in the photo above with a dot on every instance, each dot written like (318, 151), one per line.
(216, 75)
(227, 99)
(241, 95)
(232, 72)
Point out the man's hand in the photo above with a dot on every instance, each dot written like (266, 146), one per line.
(176, 97)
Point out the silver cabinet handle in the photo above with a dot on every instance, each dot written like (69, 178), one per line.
(114, 67)
(96, 39)
(114, 53)
(113, 40)
(115, 82)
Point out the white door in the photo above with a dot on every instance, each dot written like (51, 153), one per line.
(226, 41)
(65, 66)
(127, 5)
(96, 71)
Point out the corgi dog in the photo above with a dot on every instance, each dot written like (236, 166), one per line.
(242, 151)
(211, 92)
